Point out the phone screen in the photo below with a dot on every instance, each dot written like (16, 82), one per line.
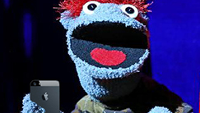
(46, 94)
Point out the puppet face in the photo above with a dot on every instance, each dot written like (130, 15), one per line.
(108, 46)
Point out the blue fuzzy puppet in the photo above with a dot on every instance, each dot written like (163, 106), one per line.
(108, 40)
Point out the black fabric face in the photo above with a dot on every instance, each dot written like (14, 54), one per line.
(83, 52)
(109, 36)
(113, 34)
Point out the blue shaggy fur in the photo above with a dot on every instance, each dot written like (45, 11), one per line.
(120, 85)
(31, 107)
(106, 12)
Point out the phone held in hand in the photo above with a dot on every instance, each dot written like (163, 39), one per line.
(46, 93)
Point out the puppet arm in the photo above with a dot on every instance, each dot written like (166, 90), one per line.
(31, 107)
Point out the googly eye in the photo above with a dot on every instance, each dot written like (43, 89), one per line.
(130, 10)
(89, 7)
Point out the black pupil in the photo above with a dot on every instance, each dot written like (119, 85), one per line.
(92, 7)
(130, 10)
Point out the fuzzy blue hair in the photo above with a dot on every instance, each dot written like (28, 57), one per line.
(120, 85)
(31, 107)
(106, 12)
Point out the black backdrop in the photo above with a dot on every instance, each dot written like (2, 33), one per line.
(47, 56)
(48, 60)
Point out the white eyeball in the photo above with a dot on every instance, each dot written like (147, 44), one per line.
(90, 6)
(130, 10)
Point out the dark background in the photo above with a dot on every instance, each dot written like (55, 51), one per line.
(33, 46)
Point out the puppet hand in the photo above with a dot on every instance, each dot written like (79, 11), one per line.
(31, 107)
(159, 110)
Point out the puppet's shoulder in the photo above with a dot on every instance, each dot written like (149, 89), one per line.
(184, 108)
(86, 105)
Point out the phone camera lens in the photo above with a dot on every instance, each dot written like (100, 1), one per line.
(34, 83)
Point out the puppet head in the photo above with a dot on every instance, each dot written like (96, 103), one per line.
(108, 41)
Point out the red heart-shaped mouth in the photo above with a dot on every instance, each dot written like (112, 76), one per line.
(108, 57)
